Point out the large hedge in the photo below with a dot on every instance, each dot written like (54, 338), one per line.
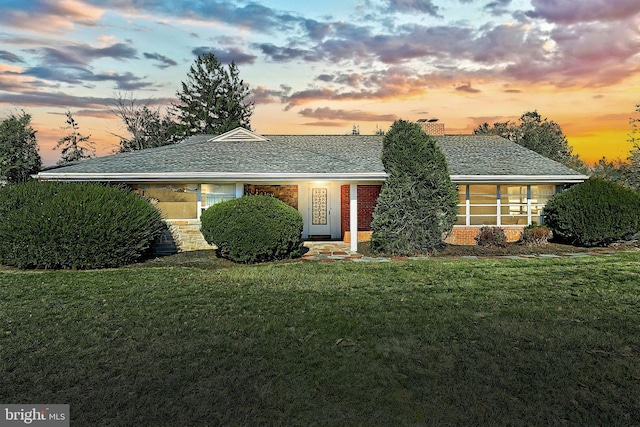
(594, 213)
(53, 225)
(418, 203)
(253, 229)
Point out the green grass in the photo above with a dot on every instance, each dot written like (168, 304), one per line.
(493, 342)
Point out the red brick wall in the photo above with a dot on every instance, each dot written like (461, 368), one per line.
(367, 196)
(434, 129)
(461, 235)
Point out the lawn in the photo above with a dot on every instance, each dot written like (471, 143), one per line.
(440, 342)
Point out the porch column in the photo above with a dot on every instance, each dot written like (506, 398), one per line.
(353, 216)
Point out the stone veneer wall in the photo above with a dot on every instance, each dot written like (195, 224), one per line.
(182, 235)
(286, 193)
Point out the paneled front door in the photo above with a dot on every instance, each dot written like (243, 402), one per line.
(319, 212)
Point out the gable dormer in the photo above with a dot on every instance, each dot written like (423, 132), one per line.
(238, 134)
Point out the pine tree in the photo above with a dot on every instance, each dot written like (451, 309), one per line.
(418, 204)
(19, 157)
(213, 100)
(75, 146)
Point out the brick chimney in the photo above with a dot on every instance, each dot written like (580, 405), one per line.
(432, 127)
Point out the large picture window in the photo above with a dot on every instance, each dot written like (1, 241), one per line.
(483, 204)
(516, 204)
(513, 205)
(174, 201)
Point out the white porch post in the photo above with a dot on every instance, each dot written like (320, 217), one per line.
(353, 216)
(199, 202)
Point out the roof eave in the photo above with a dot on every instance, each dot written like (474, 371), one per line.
(207, 176)
(242, 176)
(499, 179)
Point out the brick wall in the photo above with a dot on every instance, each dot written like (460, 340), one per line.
(434, 129)
(465, 235)
(363, 236)
(367, 196)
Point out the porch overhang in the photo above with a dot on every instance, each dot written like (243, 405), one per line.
(206, 176)
(519, 179)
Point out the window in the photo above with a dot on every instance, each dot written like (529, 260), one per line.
(540, 195)
(513, 205)
(483, 204)
(462, 205)
(216, 193)
(174, 201)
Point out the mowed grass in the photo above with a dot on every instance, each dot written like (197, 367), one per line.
(493, 342)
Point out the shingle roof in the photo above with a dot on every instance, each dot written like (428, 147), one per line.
(326, 155)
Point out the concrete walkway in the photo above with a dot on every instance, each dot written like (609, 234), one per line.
(339, 251)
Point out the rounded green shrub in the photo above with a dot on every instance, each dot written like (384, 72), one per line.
(253, 229)
(53, 225)
(594, 213)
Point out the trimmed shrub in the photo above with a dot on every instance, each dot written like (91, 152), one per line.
(253, 229)
(594, 213)
(418, 203)
(536, 235)
(490, 237)
(53, 225)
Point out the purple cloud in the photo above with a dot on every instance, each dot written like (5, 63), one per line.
(226, 56)
(10, 57)
(571, 12)
(164, 62)
(467, 88)
(413, 6)
(327, 113)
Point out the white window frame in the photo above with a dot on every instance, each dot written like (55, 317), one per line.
(531, 202)
(223, 196)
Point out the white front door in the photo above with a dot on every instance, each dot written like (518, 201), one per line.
(319, 211)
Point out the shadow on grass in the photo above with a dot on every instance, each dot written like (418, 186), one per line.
(205, 259)
(516, 248)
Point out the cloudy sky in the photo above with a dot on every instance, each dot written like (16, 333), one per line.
(321, 68)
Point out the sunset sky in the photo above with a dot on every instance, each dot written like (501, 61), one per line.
(321, 68)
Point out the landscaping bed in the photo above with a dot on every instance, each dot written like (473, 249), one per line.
(515, 248)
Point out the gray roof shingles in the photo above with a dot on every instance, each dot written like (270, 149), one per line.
(330, 154)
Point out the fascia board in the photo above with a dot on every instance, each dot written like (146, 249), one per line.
(202, 176)
(498, 179)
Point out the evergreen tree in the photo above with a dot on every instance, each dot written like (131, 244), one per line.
(19, 157)
(75, 146)
(213, 100)
(537, 134)
(418, 204)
